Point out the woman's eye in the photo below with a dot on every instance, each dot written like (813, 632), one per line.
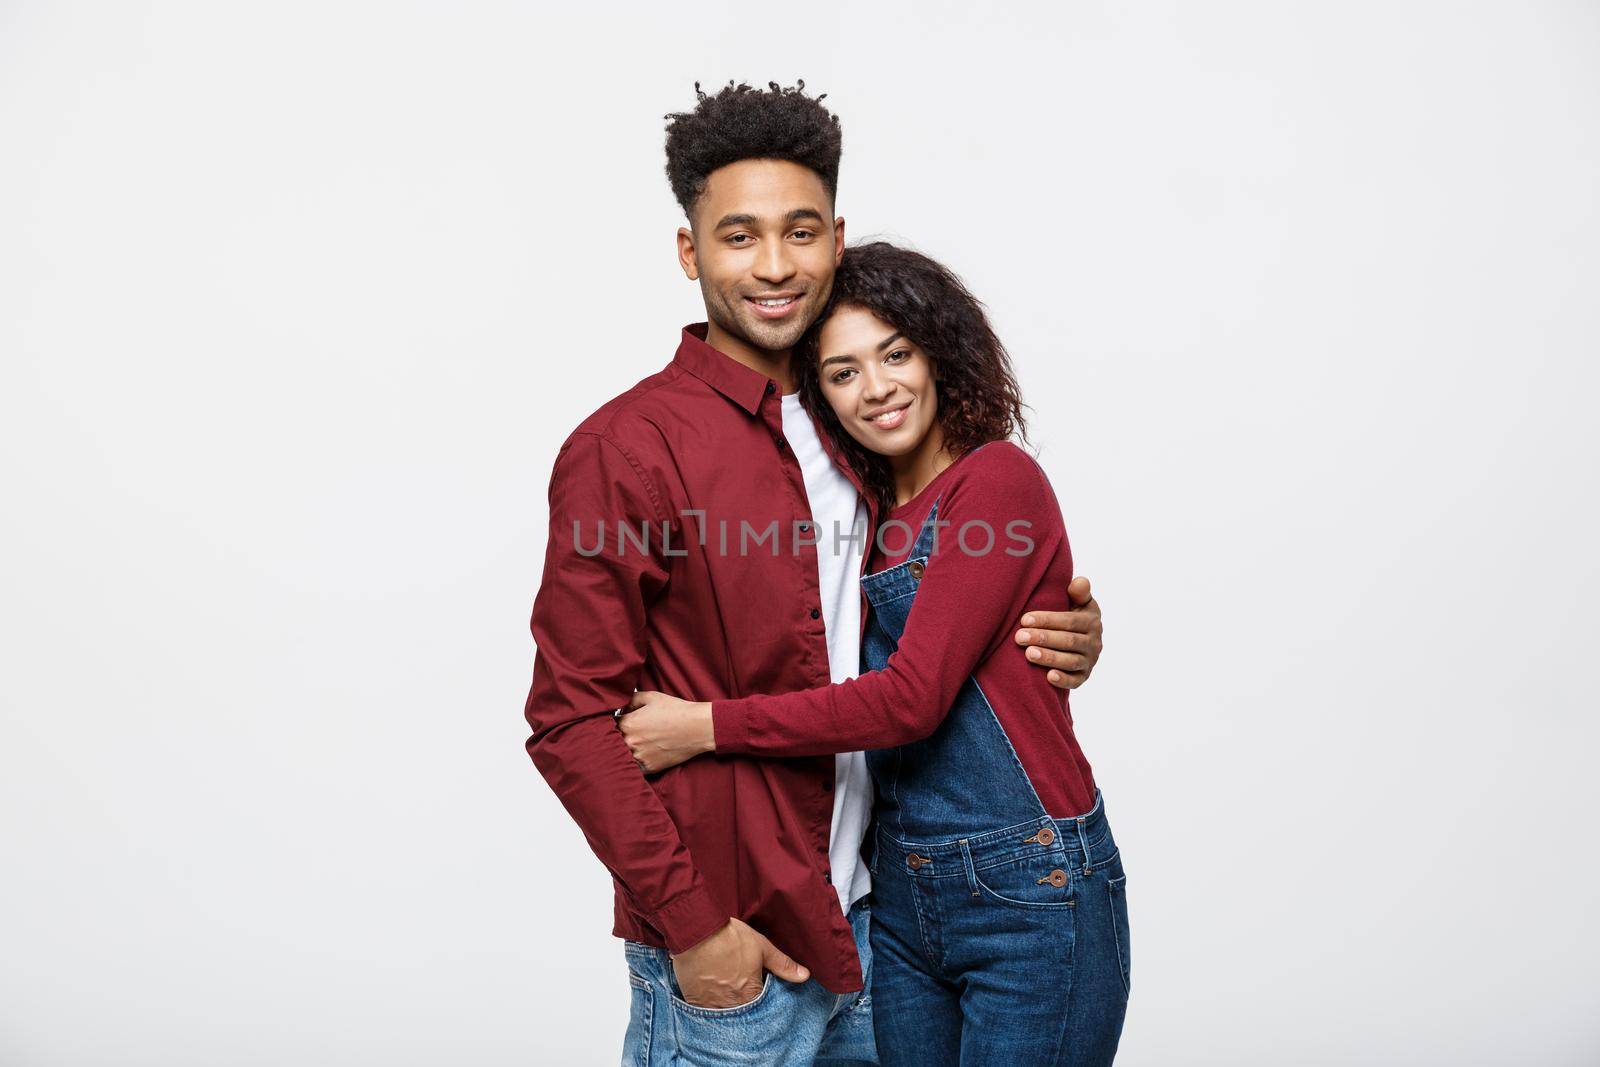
(897, 355)
(841, 376)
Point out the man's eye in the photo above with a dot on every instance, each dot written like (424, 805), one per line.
(804, 233)
(739, 238)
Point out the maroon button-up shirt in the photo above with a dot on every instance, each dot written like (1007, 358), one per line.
(681, 558)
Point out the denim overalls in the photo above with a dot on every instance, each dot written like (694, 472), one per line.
(999, 934)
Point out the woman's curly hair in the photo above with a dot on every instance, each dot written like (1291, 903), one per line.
(739, 122)
(979, 400)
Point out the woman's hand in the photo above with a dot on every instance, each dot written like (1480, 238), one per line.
(663, 731)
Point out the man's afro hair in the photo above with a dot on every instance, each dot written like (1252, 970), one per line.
(741, 122)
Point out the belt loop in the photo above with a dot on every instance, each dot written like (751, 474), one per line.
(966, 862)
(1083, 842)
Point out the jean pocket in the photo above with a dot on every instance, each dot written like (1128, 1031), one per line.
(721, 1013)
(641, 1023)
(1032, 882)
(1118, 889)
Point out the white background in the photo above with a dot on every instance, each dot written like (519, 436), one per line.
(297, 301)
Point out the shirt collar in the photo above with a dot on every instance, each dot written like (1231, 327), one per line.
(723, 373)
(748, 388)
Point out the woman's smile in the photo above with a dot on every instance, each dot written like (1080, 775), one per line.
(888, 418)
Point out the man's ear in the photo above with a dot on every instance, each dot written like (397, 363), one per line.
(838, 240)
(686, 257)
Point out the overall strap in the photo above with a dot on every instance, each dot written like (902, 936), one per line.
(923, 547)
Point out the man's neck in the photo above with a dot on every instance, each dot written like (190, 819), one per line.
(774, 365)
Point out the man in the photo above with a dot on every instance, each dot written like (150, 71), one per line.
(703, 542)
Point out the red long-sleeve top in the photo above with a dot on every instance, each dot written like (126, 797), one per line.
(961, 624)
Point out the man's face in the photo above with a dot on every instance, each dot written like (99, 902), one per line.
(764, 247)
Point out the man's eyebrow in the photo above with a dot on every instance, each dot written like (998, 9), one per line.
(788, 220)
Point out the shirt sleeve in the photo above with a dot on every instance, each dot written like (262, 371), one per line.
(967, 606)
(589, 627)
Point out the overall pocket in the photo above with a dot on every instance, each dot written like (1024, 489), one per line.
(1118, 889)
(1035, 881)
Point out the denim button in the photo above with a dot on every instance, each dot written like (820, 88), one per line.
(916, 569)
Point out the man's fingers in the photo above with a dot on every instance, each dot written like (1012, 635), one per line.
(1050, 635)
(781, 965)
(1062, 661)
(1078, 590)
(1066, 679)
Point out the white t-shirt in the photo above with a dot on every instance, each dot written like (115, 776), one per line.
(835, 506)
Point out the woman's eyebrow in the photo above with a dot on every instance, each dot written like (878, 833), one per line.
(885, 343)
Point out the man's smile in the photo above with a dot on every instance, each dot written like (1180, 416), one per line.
(774, 305)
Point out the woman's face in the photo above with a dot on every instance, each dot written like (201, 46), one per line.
(879, 384)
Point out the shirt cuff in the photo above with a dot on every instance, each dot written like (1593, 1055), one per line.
(730, 726)
(689, 919)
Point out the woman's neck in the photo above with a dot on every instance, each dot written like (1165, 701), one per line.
(914, 470)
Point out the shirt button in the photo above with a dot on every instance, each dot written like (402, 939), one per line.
(815, 614)
(771, 388)
(827, 786)
(828, 877)
(781, 443)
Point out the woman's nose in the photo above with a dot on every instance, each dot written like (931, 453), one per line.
(875, 386)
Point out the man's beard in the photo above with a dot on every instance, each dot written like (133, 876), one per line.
(770, 336)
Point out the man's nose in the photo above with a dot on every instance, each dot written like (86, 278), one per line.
(772, 263)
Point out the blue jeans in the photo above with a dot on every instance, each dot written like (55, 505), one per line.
(786, 1025)
(991, 950)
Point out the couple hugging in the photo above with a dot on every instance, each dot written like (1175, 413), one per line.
(830, 765)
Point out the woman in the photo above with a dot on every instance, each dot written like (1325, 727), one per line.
(999, 929)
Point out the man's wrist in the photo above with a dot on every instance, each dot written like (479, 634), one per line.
(703, 940)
